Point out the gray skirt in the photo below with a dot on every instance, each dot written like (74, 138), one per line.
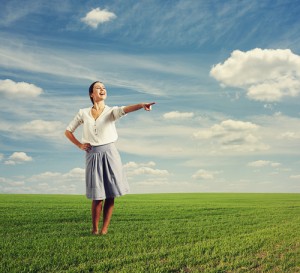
(104, 174)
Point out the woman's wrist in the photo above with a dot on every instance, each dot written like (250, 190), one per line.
(78, 145)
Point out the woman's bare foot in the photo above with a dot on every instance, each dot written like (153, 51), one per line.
(103, 231)
(95, 232)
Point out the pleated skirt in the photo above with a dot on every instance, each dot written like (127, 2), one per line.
(105, 177)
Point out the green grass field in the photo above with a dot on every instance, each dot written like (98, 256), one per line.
(153, 233)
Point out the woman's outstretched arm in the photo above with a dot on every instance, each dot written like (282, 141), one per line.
(135, 107)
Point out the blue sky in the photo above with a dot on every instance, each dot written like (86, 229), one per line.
(225, 76)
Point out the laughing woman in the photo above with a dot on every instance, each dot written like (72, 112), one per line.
(104, 174)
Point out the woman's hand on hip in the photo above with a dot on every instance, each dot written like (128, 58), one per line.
(85, 146)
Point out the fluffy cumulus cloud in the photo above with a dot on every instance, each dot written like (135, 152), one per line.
(178, 115)
(19, 90)
(43, 128)
(146, 176)
(234, 135)
(265, 74)
(71, 182)
(135, 169)
(74, 174)
(132, 165)
(98, 16)
(18, 158)
(203, 175)
(263, 163)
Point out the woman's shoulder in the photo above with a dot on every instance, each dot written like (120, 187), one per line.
(114, 107)
(111, 108)
(85, 110)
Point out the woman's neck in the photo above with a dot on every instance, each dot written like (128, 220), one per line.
(99, 105)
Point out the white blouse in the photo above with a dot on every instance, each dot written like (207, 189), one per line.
(100, 131)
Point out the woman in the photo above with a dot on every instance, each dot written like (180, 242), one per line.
(105, 178)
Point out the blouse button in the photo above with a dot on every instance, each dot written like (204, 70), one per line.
(95, 129)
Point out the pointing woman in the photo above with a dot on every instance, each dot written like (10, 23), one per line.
(104, 174)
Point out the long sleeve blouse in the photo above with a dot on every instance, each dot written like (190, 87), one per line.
(98, 131)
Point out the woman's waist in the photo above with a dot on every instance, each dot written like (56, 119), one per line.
(102, 147)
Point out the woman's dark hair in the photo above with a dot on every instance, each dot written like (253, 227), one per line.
(91, 90)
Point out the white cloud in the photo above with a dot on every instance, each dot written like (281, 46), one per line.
(162, 181)
(43, 185)
(133, 165)
(290, 135)
(19, 90)
(178, 115)
(157, 139)
(134, 169)
(203, 175)
(269, 106)
(266, 74)
(280, 132)
(16, 183)
(148, 171)
(263, 163)
(98, 16)
(47, 182)
(18, 158)
(3, 179)
(233, 134)
(42, 128)
(260, 134)
(226, 128)
(275, 164)
(236, 125)
(45, 176)
(74, 174)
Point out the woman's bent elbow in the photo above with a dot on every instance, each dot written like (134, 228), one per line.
(67, 133)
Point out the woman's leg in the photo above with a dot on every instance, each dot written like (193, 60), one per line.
(96, 213)
(107, 213)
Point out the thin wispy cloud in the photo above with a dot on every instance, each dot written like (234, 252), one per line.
(11, 14)
(65, 64)
(263, 163)
(290, 135)
(14, 12)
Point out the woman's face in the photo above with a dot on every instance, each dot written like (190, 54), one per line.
(99, 92)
